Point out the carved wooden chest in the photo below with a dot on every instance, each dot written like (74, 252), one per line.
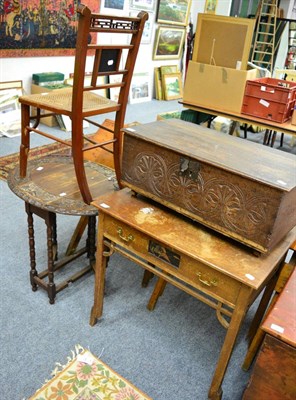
(242, 189)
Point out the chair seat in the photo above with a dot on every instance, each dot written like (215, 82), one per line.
(51, 185)
(61, 100)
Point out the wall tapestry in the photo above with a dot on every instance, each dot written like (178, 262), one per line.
(39, 27)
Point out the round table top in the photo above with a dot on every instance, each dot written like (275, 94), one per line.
(51, 184)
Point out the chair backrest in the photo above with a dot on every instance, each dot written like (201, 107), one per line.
(109, 60)
(85, 100)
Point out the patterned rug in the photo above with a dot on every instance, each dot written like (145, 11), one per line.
(86, 377)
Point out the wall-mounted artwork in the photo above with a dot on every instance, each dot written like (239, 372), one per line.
(114, 7)
(148, 27)
(147, 5)
(210, 6)
(39, 28)
(168, 43)
(173, 12)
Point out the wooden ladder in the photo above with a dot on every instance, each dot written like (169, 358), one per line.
(265, 35)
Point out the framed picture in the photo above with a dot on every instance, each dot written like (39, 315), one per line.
(148, 27)
(168, 43)
(158, 84)
(142, 4)
(169, 69)
(140, 90)
(172, 86)
(40, 28)
(176, 13)
(147, 32)
(114, 7)
(210, 6)
(10, 113)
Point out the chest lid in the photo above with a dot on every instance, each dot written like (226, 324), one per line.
(242, 157)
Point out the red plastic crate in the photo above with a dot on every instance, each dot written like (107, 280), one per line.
(269, 98)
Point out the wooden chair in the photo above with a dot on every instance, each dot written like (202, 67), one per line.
(64, 184)
(82, 102)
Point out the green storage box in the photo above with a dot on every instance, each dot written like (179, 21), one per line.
(48, 78)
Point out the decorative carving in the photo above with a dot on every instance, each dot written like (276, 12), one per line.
(209, 198)
(114, 23)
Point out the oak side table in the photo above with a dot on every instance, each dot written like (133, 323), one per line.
(216, 270)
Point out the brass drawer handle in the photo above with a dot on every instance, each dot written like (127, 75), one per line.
(127, 239)
(212, 282)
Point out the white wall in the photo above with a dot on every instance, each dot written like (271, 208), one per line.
(223, 8)
(23, 68)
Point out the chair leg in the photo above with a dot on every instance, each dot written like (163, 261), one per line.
(25, 140)
(117, 146)
(82, 180)
(78, 160)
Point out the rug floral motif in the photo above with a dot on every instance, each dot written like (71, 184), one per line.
(86, 377)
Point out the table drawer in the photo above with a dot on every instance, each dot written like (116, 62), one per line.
(210, 280)
(181, 266)
(126, 236)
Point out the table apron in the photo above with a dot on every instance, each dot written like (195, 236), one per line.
(164, 271)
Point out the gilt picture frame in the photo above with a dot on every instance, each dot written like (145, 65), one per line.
(176, 13)
(211, 6)
(172, 86)
(168, 43)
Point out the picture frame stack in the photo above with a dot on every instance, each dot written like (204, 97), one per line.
(168, 82)
(10, 109)
(169, 44)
